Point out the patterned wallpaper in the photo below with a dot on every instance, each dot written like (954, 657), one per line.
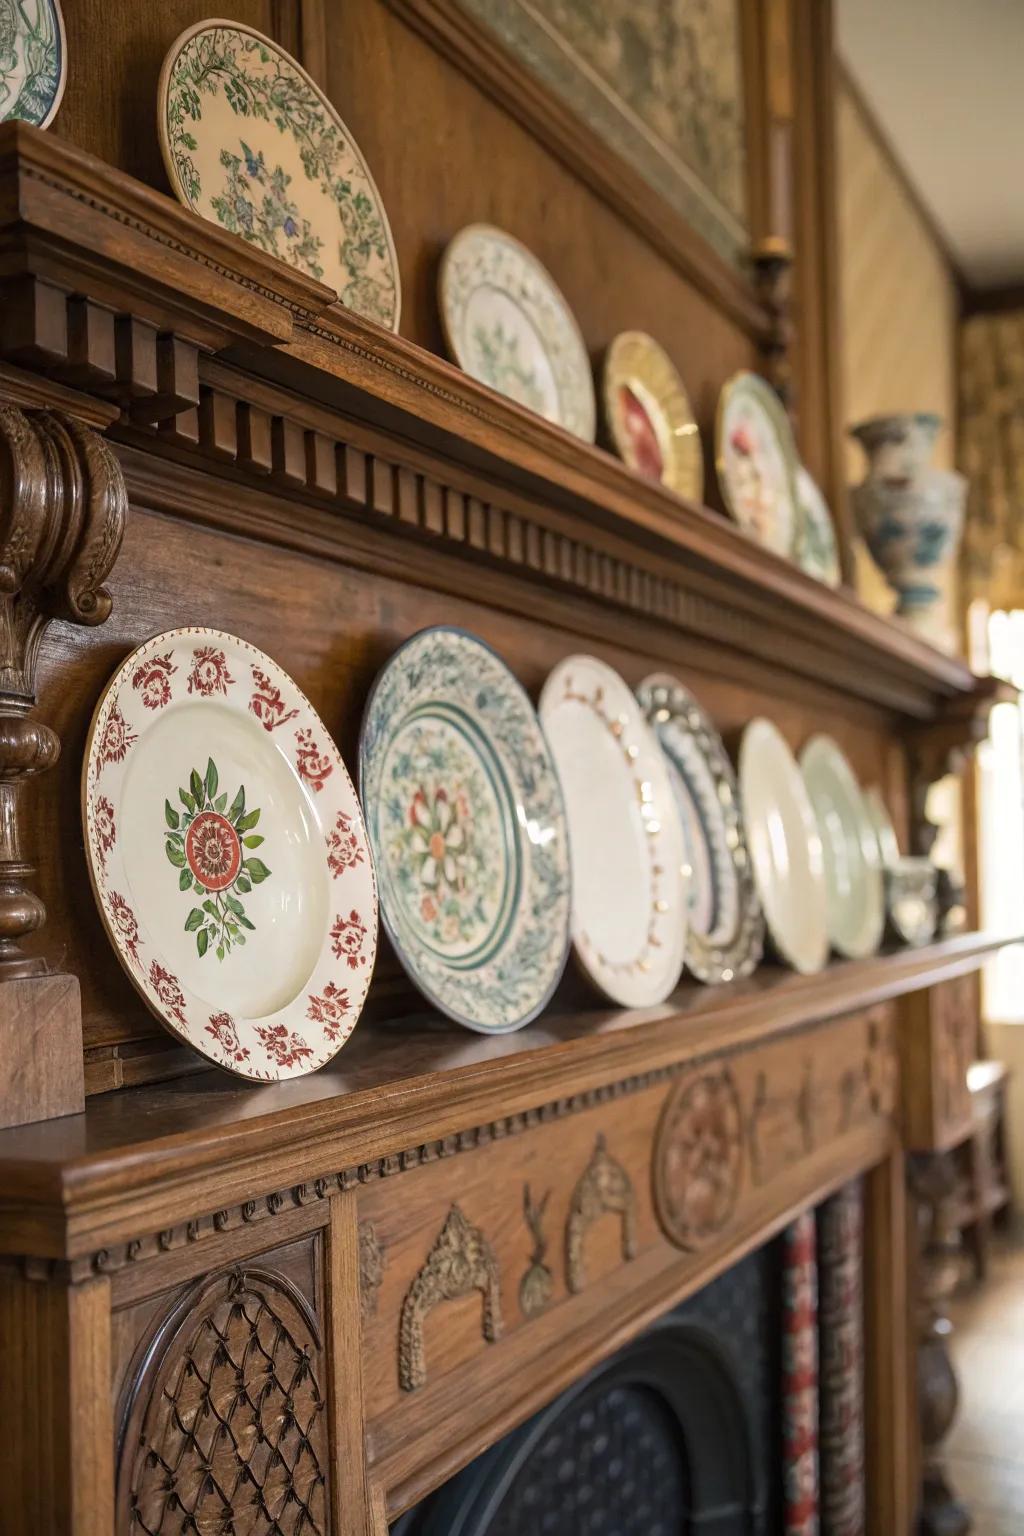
(992, 456)
(898, 304)
(660, 84)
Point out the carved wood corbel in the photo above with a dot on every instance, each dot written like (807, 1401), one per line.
(944, 746)
(62, 515)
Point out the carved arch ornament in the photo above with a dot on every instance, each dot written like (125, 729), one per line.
(604, 1186)
(698, 1158)
(63, 508)
(225, 1424)
(460, 1262)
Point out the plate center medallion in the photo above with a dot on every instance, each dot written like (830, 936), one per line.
(213, 850)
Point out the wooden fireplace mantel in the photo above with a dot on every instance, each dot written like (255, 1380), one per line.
(440, 1230)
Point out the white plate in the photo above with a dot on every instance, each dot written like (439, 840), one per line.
(726, 929)
(228, 855)
(756, 460)
(817, 550)
(853, 868)
(782, 834)
(507, 325)
(629, 873)
(881, 821)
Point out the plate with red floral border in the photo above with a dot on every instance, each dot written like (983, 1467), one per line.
(228, 855)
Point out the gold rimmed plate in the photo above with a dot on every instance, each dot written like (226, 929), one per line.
(649, 417)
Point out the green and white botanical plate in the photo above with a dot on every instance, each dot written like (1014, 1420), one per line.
(817, 550)
(228, 855)
(253, 144)
(33, 60)
(507, 324)
(465, 816)
(757, 460)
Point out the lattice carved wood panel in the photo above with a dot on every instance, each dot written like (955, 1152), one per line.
(226, 1432)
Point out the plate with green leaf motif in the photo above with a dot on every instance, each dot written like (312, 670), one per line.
(466, 821)
(253, 144)
(506, 324)
(33, 60)
(228, 855)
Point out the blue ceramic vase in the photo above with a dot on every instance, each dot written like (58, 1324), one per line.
(909, 513)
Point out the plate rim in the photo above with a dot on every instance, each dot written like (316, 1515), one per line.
(208, 24)
(221, 635)
(752, 913)
(612, 675)
(558, 972)
(611, 359)
(822, 747)
(832, 581)
(761, 725)
(483, 227)
(776, 410)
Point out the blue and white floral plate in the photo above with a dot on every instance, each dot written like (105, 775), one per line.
(466, 821)
(726, 928)
(253, 144)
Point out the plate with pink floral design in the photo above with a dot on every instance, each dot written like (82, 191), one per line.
(228, 854)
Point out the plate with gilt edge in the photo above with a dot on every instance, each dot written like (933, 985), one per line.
(467, 823)
(648, 414)
(251, 143)
(227, 854)
(630, 876)
(726, 926)
(506, 323)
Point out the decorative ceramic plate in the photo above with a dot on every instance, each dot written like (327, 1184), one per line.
(228, 855)
(467, 824)
(630, 876)
(757, 462)
(853, 868)
(251, 143)
(649, 416)
(506, 324)
(785, 847)
(817, 551)
(33, 60)
(881, 821)
(726, 925)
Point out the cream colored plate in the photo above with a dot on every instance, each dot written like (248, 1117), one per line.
(228, 854)
(757, 460)
(782, 834)
(629, 876)
(853, 866)
(649, 416)
(506, 324)
(253, 144)
(817, 550)
(881, 821)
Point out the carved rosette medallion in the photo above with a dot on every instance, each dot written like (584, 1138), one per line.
(604, 1186)
(226, 1426)
(460, 1262)
(698, 1157)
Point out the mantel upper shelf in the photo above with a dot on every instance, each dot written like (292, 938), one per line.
(68, 1181)
(93, 244)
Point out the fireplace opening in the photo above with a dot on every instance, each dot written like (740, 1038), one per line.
(655, 1442)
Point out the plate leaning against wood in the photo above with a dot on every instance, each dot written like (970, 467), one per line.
(227, 854)
(253, 144)
(465, 815)
(853, 867)
(726, 924)
(630, 878)
(785, 847)
(757, 461)
(506, 323)
(817, 550)
(648, 414)
(33, 61)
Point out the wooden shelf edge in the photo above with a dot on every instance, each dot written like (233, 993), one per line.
(393, 1088)
(86, 234)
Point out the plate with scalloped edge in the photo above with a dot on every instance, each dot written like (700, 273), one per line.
(227, 854)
